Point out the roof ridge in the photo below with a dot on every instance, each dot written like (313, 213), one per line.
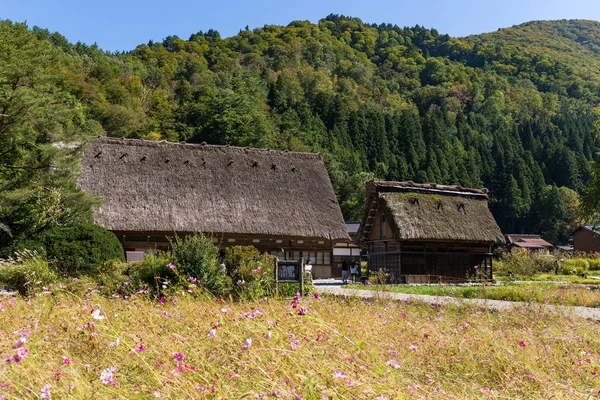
(153, 143)
(427, 186)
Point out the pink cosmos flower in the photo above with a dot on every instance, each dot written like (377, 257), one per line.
(66, 361)
(162, 300)
(225, 310)
(403, 315)
(212, 333)
(316, 295)
(268, 335)
(140, 348)
(392, 363)
(339, 374)
(179, 357)
(522, 344)
(22, 353)
(115, 343)
(107, 377)
(413, 347)
(45, 392)
(247, 344)
(294, 343)
(302, 310)
(172, 266)
(350, 383)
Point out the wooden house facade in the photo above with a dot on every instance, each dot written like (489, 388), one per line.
(279, 202)
(421, 233)
(586, 239)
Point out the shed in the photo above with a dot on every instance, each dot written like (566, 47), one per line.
(428, 232)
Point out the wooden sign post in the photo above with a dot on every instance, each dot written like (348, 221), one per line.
(289, 271)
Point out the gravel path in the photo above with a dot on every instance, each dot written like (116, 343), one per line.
(337, 290)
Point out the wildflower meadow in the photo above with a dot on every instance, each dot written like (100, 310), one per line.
(61, 344)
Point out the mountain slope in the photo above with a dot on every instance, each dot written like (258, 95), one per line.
(510, 110)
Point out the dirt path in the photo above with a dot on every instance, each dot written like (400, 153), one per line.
(337, 290)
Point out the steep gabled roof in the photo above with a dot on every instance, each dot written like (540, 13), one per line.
(431, 212)
(171, 187)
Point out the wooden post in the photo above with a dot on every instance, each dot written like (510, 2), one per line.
(276, 277)
(302, 276)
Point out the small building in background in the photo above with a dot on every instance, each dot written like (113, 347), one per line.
(279, 202)
(586, 239)
(349, 252)
(533, 243)
(421, 233)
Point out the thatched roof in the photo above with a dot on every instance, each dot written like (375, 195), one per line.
(172, 187)
(424, 212)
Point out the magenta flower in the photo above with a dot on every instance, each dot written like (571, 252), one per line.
(45, 392)
(66, 361)
(22, 353)
(316, 295)
(339, 374)
(302, 310)
(179, 357)
(247, 344)
(522, 344)
(162, 300)
(140, 348)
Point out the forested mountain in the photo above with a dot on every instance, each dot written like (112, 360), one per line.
(510, 110)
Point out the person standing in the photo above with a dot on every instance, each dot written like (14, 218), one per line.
(354, 271)
(308, 270)
(345, 272)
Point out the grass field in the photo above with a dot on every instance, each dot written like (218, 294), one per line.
(539, 292)
(94, 347)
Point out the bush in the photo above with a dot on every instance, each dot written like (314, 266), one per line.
(153, 272)
(113, 277)
(252, 273)
(196, 256)
(26, 270)
(574, 266)
(524, 263)
(593, 264)
(74, 250)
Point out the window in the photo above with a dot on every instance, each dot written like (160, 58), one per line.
(327, 258)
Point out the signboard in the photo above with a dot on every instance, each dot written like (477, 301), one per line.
(289, 271)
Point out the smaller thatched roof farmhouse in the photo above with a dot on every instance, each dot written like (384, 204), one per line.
(424, 232)
(274, 200)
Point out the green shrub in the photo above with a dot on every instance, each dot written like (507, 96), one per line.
(196, 256)
(574, 266)
(113, 277)
(291, 289)
(252, 273)
(74, 250)
(593, 264)
(153, 272)
(521, 262)
(26, 270)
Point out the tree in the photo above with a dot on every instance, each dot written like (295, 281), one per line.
(39, 122)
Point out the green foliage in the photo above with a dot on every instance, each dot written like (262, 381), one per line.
(574, 266)
(510, 110)
(197, 256)
(291, 289)
(252, 273)
(152, 272)
(25, 271)
(77, 249)
(521, 262)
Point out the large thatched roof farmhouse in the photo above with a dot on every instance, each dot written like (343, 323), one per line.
(281, 202)
(427, 232)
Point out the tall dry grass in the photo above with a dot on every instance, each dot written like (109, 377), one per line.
(323, 348)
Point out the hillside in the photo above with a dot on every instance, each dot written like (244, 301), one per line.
(510, 110)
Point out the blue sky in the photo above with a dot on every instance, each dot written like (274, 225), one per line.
(121, 25)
